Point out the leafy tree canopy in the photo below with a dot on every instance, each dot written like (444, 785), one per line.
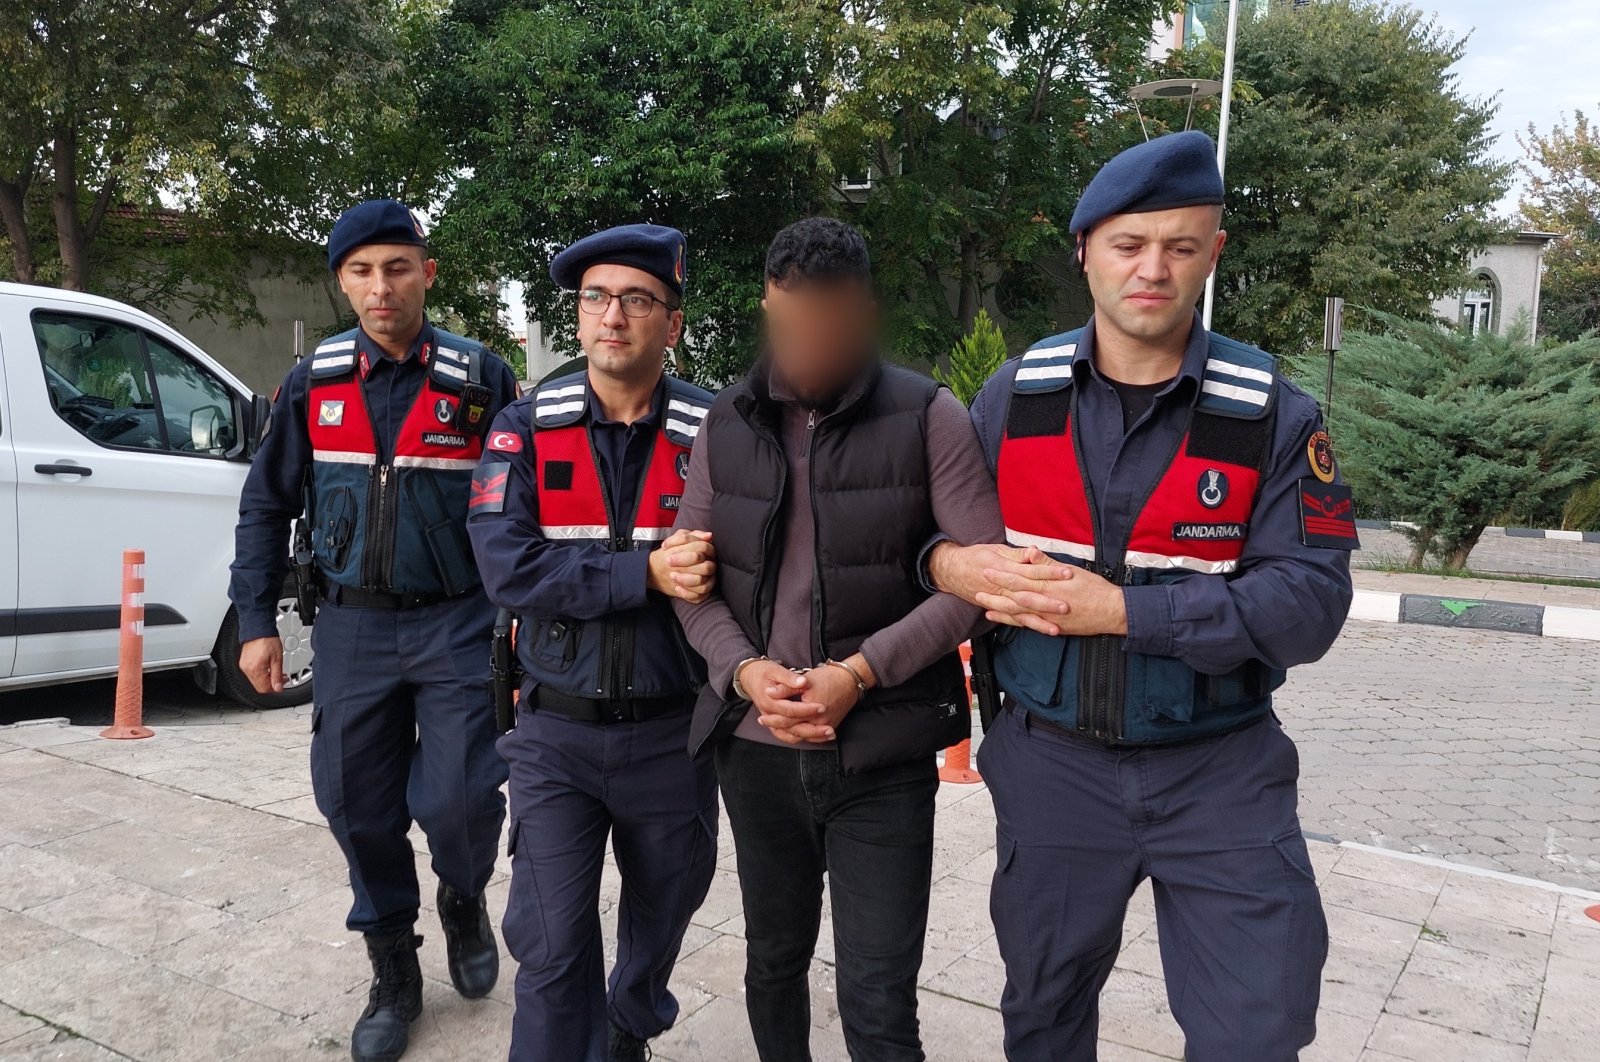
(977, 125)
(1563, 196)
(158, 150)
(1357, 167)
(1452, 431)
(567, 117)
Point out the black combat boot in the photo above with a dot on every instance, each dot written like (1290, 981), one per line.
(468, 942)
(626, 1047)
(394, 1001)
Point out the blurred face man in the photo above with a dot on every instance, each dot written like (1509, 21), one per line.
(1146, 271)
(387, 284)
(820, 333)
(626, 321)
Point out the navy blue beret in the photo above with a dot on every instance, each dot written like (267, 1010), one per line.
(1176, 170)
(373, 221)
(656, 249)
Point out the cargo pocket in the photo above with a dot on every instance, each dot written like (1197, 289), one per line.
(1164, 685)
(555, 644)
(523, 925)
(1248, 682)
(1030, 664)
(1307, 943)
(335, 527)
(444, 532)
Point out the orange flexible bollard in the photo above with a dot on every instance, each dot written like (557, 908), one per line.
(129, 721)
(958, 757)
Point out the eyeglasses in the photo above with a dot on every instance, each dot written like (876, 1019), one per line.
(596, 302)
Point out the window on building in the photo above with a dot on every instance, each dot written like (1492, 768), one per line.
(1479, 305)
(1207, 20)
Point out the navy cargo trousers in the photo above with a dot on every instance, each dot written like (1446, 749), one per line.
(403, 730)
(573, 784)
(1213, 825)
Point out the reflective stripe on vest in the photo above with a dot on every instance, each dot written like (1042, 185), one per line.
(577, 512)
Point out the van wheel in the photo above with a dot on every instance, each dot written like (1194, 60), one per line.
(233, 684)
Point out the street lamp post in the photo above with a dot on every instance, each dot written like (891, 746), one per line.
(1222, 135)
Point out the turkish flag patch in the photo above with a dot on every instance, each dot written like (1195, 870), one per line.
(505, 442)
(488, 489)
(1327, 515)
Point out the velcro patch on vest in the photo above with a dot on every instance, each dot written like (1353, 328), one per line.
(1327, 515)
(442, 438)
(1225, 532)
(558, 475)
(488, 489)
(1035, 415)
(1228, 440)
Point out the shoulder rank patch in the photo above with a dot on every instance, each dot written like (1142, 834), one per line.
(488, 489)
(1319, 451)
(1327, 515)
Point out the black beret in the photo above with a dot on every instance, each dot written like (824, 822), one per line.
(1176, 170)
(373, 221)
(656, 249)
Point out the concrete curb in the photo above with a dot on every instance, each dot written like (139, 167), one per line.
(1511, 532)
(1514, 617)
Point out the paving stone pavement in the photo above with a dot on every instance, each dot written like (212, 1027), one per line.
(1480, 747)
(179, 898)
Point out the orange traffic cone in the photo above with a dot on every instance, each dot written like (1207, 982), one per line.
(958, 757)
(129, 722)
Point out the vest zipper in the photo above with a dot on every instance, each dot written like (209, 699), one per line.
(377, 550)
(818, 601)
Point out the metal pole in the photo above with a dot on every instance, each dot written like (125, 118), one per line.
(1222, 135)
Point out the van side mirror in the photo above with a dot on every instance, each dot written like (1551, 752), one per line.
(208, 430)
(256, 415)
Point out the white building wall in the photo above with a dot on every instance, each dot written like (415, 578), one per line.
(1512, 273)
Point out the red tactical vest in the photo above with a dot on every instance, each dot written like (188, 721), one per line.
(395, 522)
(572, 502)
(1196, 518)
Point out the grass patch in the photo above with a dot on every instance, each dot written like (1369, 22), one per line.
(1385, 563)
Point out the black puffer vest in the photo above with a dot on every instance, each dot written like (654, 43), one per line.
(870, 500)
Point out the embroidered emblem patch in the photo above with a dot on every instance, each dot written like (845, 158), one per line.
(488, 489)
(331, 413)
(444, 411)
(1212, 488)
(505, 442)
(1327, 515)
(682, 465)
(1319, 450)
(1208, 532)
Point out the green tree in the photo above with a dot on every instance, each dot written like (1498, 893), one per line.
(251, 118)
(976, 356)
(977, 125)
(1357, 167)
(568, 116)
(1563, 196)
(1451, 431)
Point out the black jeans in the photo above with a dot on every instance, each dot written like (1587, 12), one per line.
(795, 816)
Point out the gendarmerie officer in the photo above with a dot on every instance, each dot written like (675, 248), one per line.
(1186, 539)
(572, 509)
(386, 422)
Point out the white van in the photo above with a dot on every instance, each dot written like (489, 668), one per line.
(118, 433)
